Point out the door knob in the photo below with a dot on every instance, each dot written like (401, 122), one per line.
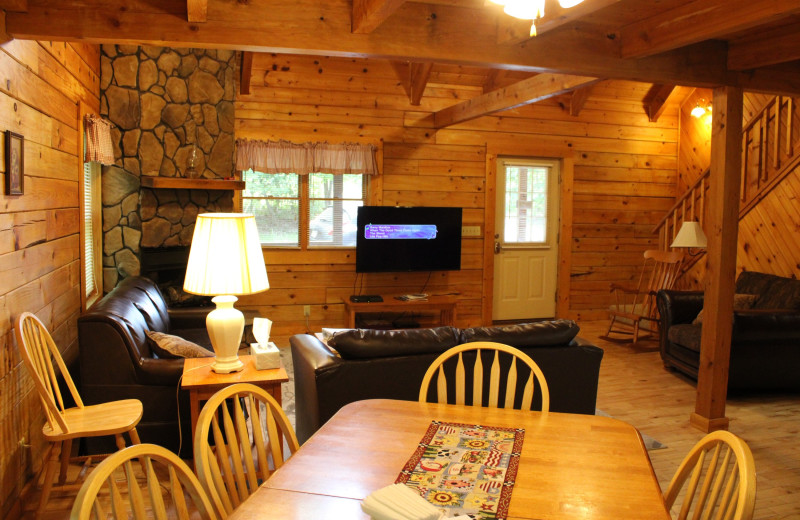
(496, 247)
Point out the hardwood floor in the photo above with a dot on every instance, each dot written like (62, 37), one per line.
(635, 388)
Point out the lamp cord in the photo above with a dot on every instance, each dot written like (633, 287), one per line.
(178, 403)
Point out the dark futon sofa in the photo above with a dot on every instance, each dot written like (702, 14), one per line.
(383, 364)
(765, 340)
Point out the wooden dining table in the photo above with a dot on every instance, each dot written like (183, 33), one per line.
(571, 466)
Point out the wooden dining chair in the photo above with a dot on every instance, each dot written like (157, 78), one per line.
(478, 376)
(39, 352)
(632, 306)
(717, 480)
(161, 492)
(237, 444)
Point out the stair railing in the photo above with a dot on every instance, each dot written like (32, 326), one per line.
(770, 146)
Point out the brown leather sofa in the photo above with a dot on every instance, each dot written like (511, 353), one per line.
(116, 361)
(765, 340)
(373, 364)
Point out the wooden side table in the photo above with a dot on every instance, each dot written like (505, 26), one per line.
(202, 382)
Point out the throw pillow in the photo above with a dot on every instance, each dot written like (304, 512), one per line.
(740, 302)
(175, 347)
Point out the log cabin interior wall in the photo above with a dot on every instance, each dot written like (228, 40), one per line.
(41, 86)
(624, 176)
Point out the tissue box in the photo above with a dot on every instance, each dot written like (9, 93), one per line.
(266, 356)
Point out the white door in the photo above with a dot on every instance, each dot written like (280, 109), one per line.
(526, 239)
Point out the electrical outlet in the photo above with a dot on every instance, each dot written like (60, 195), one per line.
(307, 310)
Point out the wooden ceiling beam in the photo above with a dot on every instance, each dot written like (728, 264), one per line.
(524, 92)
(369, 14)
(19, 6)
(767, 48)
(700, 20)
(196, 10)
(578, 99)
(324, 28)
(655, 101)
(781, 79)
(246, 73)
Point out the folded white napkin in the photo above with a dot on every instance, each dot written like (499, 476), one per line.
(398, 502)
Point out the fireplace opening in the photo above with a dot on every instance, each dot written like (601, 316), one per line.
(166, 266)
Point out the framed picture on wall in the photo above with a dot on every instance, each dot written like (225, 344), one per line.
(15, 165)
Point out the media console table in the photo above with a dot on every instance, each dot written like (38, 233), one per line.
(445, 305)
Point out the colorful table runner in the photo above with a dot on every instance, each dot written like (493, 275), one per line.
(466, 468)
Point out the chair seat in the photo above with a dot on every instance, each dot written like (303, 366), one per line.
(96, 420)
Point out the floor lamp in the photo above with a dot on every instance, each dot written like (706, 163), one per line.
(225, 260)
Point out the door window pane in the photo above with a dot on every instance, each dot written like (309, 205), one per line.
(525, 218)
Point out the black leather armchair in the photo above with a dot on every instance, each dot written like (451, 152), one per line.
(116, 361)
(374, 364)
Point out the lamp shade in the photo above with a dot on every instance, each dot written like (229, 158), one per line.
(225, 257)
(690, 235)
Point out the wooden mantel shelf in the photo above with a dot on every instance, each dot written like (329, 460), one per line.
(183, 183)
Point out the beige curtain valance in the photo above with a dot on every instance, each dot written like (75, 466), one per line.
(98, 140)
(304, 158)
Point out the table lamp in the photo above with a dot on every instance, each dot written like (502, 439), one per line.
(690, 236)
(225, 260)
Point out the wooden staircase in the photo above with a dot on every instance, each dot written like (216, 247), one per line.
(770, 146)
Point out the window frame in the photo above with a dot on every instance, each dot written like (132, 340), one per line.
(304, 205)
(90, 195)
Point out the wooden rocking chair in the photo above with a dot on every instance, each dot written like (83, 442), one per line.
(632, 306)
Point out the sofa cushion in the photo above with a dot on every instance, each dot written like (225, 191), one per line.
(783, 294)
(687, 335)
(537, 334)
(740, 302)
(369, 343)
(170, 346)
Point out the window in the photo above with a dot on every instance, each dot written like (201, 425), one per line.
(90, 233)
(307, 211)
(525, 212)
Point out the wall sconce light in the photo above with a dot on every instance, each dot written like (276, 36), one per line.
(701, 107)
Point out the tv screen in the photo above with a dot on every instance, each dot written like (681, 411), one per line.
(408, 239)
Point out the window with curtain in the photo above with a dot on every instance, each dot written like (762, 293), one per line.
(97, 150)
(305, 195)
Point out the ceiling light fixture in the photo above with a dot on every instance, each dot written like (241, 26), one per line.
(530, 9)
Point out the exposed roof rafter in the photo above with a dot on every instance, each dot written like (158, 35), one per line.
(369, 14)
(196, 10)
(656, 100)
(698, 21)
(578, 99)
(524, 92)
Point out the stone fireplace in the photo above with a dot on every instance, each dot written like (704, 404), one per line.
(166, 105)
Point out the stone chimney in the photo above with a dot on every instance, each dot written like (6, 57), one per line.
(164, 103)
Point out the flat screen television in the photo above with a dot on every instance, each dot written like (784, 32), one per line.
(394, 239)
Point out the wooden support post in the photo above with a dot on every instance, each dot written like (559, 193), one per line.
(723, 228)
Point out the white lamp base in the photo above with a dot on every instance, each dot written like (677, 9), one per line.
(225, 326)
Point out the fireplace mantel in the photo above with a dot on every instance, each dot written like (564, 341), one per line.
(183, 183)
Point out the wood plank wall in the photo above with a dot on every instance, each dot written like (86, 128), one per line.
(624, 176)
(769, 234)
(40, 88)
